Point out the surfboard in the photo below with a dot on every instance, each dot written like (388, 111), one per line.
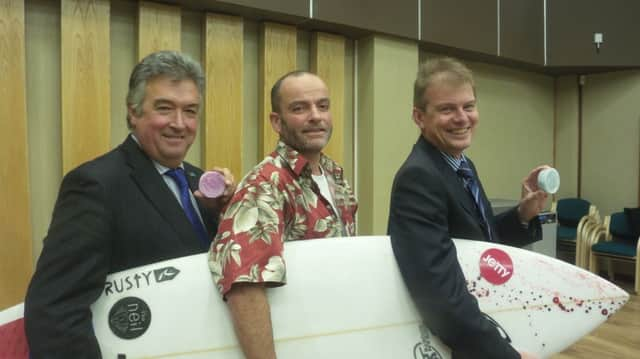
(344, 298)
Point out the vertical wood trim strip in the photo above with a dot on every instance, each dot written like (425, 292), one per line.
(554, 154)
(86, 80)
(15, 224)
(277, 56)
(327, 61)
(224, 58)
(580, 99)
(159, 28)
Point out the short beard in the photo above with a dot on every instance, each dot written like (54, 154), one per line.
(291, 138)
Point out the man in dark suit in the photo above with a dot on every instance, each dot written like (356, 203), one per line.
(135, 205)
(436, 196)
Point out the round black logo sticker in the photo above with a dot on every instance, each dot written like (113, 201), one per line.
(129, 318)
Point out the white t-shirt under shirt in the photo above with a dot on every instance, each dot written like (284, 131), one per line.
(323, 185)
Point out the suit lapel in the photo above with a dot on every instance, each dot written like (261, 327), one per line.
(451, 179)
(483, 196)
(157, 192)
(193, 178)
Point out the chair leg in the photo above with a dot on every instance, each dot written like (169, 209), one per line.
(637, 277)
(578, 248)
(590, 231)
(610, 272)
(585, 243)
(593, 264)
(581, 236)
(593, 258)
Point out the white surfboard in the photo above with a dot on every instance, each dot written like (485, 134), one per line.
(344, 298)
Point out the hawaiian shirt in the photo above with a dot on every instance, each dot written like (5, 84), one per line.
(277, 201)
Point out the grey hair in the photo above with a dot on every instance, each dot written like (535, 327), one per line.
(172, 64)
(445, 69)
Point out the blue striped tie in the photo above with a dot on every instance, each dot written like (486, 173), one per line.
(472, 186)
(179, 178)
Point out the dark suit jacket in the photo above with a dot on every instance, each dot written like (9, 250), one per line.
(112, 213)
(429, 206)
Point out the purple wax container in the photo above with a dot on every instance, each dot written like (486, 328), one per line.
(212, 184)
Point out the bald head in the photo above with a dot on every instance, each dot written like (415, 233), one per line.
(276, 94)
(301, 112)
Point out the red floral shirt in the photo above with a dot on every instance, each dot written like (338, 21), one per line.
(277, 201)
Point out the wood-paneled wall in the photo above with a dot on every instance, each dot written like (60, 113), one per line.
(224, 58)
(327, 61)
(15, 226)
(85, 106)
(86, 101)
(158, 28)
(277, 57)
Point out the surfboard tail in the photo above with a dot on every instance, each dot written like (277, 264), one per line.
(13, 340)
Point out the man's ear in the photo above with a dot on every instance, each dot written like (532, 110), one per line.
(418, 117)
(275, 119)
(131, 116)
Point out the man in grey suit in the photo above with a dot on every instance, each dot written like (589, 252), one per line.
(437, 195)
(135, 205)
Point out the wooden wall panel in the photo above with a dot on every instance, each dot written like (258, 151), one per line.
(224, 58)
(328, 61)
(289, 7)
(86, 80)
(476, 26)
(277, 57)
(522, 30)
(159, 28)
(15, 224)
(571, 25)
(399, 17)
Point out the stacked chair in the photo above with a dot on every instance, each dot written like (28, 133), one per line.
(615, 241)
(588, 227)
(571, 213)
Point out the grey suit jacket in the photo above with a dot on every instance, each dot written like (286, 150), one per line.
(429, 206)
(112, 213)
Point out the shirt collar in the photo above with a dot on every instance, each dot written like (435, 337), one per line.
(299, 164)
(160, 168)
(291, 157)
(454, 162)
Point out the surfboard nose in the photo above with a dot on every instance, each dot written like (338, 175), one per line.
(620, 294)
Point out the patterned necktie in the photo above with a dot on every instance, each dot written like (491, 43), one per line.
(179, 178)
(471, 184)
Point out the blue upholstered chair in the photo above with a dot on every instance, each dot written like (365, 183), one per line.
(618, 242)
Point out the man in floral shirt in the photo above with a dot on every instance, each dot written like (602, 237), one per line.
(294, 193)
